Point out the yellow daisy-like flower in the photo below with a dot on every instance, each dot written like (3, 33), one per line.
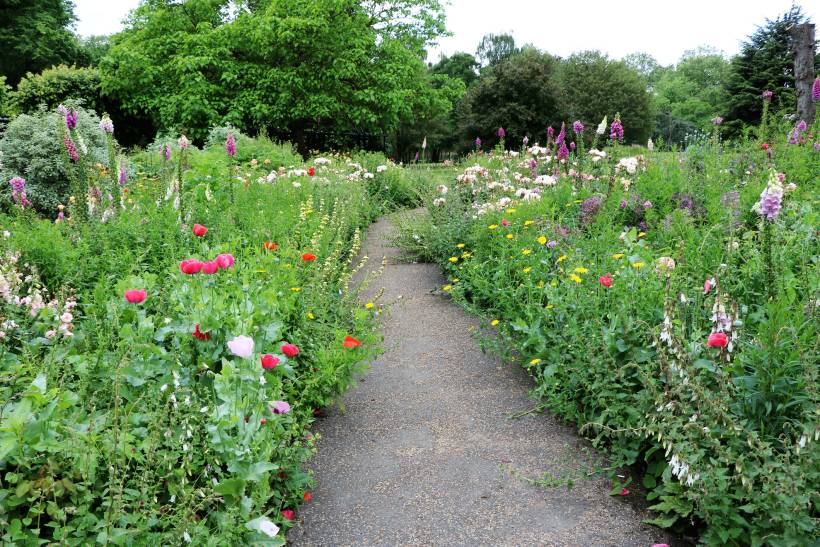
(540, 285)
(641, 234)
(542, 240)
(561, 259)
(456, 280)
(369, 305)
(295, 289)
(509, 236)
(446, 288)
(466, 255)
(638, 265)
(526, 252)
(575, 278)
(535, 361)
(453, 259)
(528, 222)
(310, 316)
(581, 270)
(548, 307)
(460, 245)
(492, 226)
(579, 201)
(618, 256)
(527, 270)
(511, 210)
(495, 322)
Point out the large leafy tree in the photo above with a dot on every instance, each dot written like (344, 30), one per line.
(494, 48)
(765, 62)
(35, 34)
(520, 93)
(459, 65)
(595, 86)
(288, 65)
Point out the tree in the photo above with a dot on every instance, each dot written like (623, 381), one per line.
(595, 86)
(459, 65)
(647, 66)
(35, 35)
(519, 93)
(765, 63)
(93, 49)
(494, 48)
(289, 66)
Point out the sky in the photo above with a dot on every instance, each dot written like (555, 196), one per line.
(663, 28)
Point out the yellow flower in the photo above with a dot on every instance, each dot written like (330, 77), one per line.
(554, 283)
(618, 256)
(528, 222)
(548, 307)
(511, 210)
(535, 361)
(527, 270)
(295, 289)
(581, 270)
(641, 234)
(465, 254)
(579, 201)
(261, 271)
(561, 259)
(540, 285)
(446, 288)
(460, 245)
(509, 236)
(495, 322)
(575, 278)
(310, 315)
(492, 226)
(526, 252)
(369, 306)
(453, 259)
(542, 240)
(456, 280)
(637, 265)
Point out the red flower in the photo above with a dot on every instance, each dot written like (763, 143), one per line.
(307, 257)
(135, 296)
(717, 340)
(225, 260)
(269, 361)
(308, 496)
(624, 492)
(290, 350)
(199, 230)
(190, 266)
(605, 280)
(271, 246)
(263, 421)
(201, 335)
(350, 342)
(288, 514)
(764, 146)
(505, 222)
(311, 171)
(210, 267)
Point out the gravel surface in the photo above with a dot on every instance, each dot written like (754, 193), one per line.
(422, 453)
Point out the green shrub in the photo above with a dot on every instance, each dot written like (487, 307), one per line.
(57, 85)
(32, 147)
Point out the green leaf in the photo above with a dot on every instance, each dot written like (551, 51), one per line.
(230, 487)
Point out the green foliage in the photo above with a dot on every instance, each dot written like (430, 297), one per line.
(35, 35)
(494, 48)
(459, 65)
(726, 439)
(285, 66)
(57, 85)
(594, 85)
(4, 96)
(93, 49)
(32, 148)
(519, 93)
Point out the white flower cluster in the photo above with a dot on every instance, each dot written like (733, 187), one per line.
(681, 470)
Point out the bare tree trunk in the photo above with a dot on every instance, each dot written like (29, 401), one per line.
(803, 36)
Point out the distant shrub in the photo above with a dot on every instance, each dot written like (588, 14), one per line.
(32, 147)
(57, 85)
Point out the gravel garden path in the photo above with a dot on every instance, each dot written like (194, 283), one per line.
(423, 450)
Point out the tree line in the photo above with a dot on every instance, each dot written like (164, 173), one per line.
(353, 73)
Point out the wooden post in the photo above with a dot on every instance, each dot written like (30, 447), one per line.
(803, 39)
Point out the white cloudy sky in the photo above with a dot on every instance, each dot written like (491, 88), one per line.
(663, 28)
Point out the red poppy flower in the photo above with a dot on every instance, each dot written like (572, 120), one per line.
(199, 230)
(624, 492)
(764, 146)
(263, 421)
(200, 335)
(271, 246)
(135, 296)
(311, 171)
(210, 267)
(290, 350)
(307, 257)
(269, 361)
(308, 496)
(717, 340)
(505, 222)
(350, 342)
(605, 280)
(190, 266)
(288, 514)
(225, 260)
